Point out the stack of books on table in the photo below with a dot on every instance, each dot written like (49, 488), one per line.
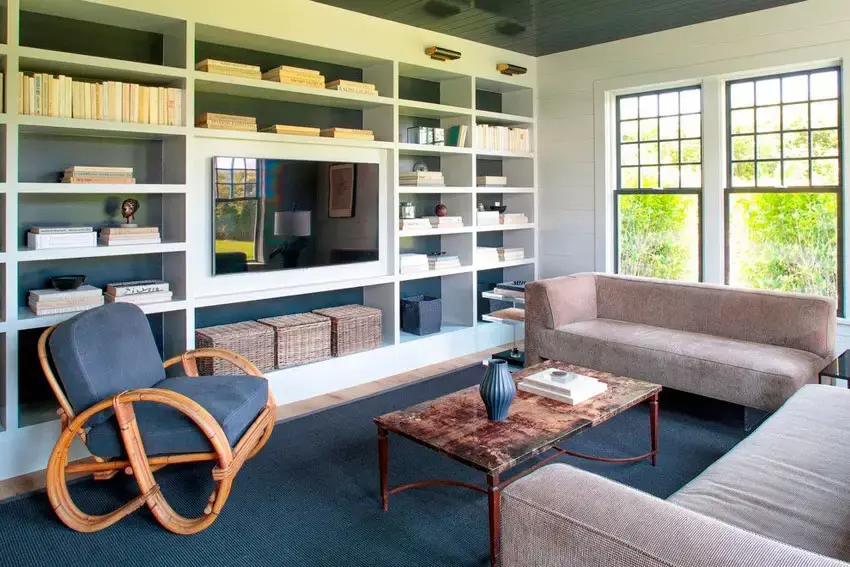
(421, 179)
(514, 218)
(413, 263)
(414, 224)
(352, 87)
(445, 222)
(492, 181)
(443, 262)
(54, 301)
(42, 94)
(488, 218)
(229, 68)
(139, 292)
(567, 387)
(98, 174)
(493, 255)
(226, 122)
(124, 236)
(348, 134)
(50, 237)
(292, 130)
(295, 76)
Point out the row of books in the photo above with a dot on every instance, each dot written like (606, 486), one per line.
(502, 138)
(98, 174)
(221, 121)
(568, 387)
(413, 263)
(42, 94)
(492, 218)
(49, 238)
(495, 254)
(285, 74)
(421, 179)
(55, 302)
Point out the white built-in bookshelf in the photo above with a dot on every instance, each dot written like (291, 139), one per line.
(174, 190)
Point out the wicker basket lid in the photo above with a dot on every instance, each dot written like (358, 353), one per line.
(296, 320)
(249, 328)
(348, 312)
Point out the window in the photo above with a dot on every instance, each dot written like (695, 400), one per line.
(659, 187)
(237, 200)
(784, 184)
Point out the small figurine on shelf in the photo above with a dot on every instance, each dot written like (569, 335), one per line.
(481, 207)
(129, 208)
(441, 210)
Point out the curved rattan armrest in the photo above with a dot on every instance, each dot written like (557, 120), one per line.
(190, 364)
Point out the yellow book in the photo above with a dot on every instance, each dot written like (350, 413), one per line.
(292, 130)
(153, 105)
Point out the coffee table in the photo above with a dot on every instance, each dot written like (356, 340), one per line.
(456, 425)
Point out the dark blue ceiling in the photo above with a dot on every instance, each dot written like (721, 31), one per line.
(541, 27)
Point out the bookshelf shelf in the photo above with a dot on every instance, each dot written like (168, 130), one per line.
(505, 190)
(508, 264)
(444, 330)
(501, 227)
(29, 320)
(91, 67)
(100, 128)
(288, 138)
(430, 150)
(430, 110)
(102, 189)
(434, 231)
(494, 154)
(27, 255)
(502, 119)
(434, 273)
(270, 90)
(402, 189)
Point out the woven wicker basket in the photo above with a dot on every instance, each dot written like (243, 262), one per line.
(300, 338)
(354, 328)
(252, 340)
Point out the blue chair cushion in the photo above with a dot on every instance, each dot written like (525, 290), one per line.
(102, 352)
(234, 402)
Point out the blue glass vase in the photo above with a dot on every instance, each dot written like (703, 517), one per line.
(497, 390)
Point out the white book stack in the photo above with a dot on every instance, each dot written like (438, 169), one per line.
(492, 181)
(124, 236)
(54, 301)
(414, 224)
(514, 218)
(567, 387)
(139, 292)
(487, 254)
(487, 218)
(443, 262)
(43, 238)
(421, 179)
(502, 138)
(98, 174)
(445, 222)
(508, 254)
(413, 263)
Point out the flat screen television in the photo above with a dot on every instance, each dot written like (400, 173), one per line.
(279, 214)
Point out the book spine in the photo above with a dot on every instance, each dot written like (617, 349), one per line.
(40, 311)
(45, 241)
(121, 291)
(106, 180)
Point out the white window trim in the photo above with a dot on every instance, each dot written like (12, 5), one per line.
(712, 77)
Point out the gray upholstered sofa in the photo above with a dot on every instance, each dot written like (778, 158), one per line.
(778, 499)
(754, 348)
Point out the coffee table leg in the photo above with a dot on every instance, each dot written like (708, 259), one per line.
(383, 450)
(494, 504)
(653, 427)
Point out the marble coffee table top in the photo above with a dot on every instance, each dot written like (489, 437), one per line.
(457, 425)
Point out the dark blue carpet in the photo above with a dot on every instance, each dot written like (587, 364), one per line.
(311, 497)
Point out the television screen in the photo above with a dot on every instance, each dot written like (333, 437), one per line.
(278, 214)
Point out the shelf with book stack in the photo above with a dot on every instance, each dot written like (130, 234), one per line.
(288, 138)
(430, 150)
(501, 227)
(422, 109)
(100, 188)
(99, 251)
(101, 128)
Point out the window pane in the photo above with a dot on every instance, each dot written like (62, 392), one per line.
(236, 227)
(767, 92)
(648, 106)
(670, 128)
(691, 176)
(669, 152)
(649, 178)
(649, 153)
(743, 121)
(795, 145)
(691, 125)
(795, 173)
(766, 251)
(629, 154)
(668, 104)
(629, 178)
(629, 131)
(691, 151)
(743, 147)
(825, 173)
(767, 119)
(628, 108)
(825, 114)
(769, 146)
(743, 174)
(795, 117)
(659, 236)
(769, 174)
(649, 129)
(742, 94)
(825, 143)
(670, 177)
(795, 88)
(690, 101)
(824, 85)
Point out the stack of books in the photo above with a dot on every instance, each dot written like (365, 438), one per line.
(413, 263)
(421, 179)
(226, 122)
(456, 135)
(52, 237)
(54, 301)
(487, 218)
(42, 94)
(492, 181)
(295, 76)
(98, 174)
(493, 255)
(567, 387)
(514, 218)
(414, 224)
(230, 68)
(352, 87)
(348, 133)
(292, 130)
(125, 236)
(502, 138)
(445, 222)
(443, 262)
(139, 292)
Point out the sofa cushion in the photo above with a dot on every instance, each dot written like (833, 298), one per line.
(786, 481)
(234, 402)
(752, 374)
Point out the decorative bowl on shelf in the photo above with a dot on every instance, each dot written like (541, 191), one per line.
(500, 208)
(65, 283)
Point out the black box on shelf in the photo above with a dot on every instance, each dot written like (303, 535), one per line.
(421, 314)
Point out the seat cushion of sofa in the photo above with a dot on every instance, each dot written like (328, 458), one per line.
(788, 479)
(758, 375)
(233, 401)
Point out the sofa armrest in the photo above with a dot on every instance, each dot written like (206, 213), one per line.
(555, 302)
(561, 515)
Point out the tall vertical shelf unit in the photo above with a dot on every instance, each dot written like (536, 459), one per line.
(51, 36)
